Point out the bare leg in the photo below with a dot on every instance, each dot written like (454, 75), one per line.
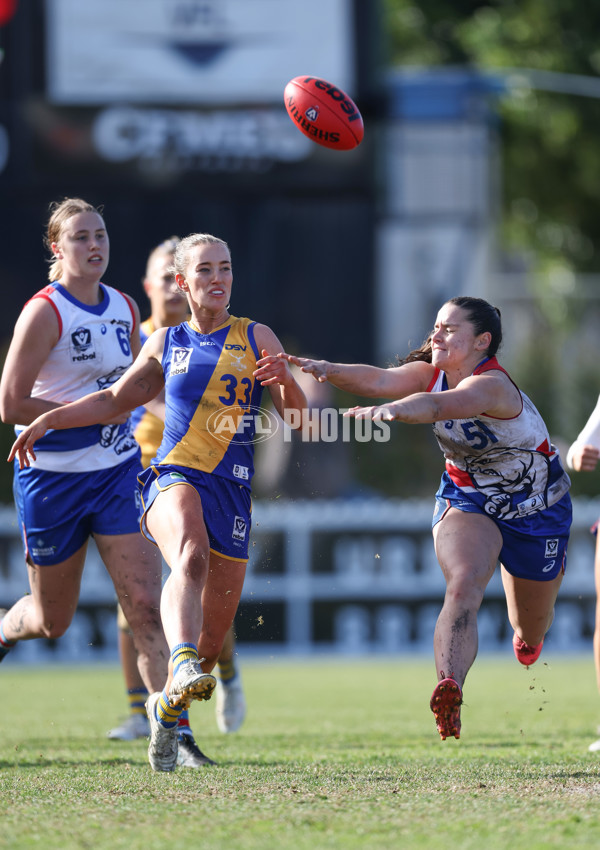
(135, 568)
(467, 547)
(220, 601)
(230, 704)
(228, 649)
(136, 723)
(201, 595)
(129, 661)
(175, 520)
(530, 605)
(128, 654)
(48, 611)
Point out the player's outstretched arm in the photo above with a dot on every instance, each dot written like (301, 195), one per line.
(369, 381)
(142, 382)
(89, 410)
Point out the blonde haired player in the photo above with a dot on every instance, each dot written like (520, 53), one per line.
(74, 336)
(169, 307)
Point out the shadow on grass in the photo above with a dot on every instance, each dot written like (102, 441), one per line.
(576, 774)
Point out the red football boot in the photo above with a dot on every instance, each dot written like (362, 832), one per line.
(445, 703)
(526, 654)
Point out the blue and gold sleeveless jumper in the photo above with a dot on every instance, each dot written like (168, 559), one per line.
(208, 437)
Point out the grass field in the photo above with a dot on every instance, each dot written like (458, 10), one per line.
(333, 754)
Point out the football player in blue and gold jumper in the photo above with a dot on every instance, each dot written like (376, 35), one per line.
(169, 307)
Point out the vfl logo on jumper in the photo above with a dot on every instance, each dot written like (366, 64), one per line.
(312, 113)
(180, 360)
(237, 425)
(81, 341)
(239, 528)
(551, 552)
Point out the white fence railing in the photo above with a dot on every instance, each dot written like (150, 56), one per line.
(335, 576)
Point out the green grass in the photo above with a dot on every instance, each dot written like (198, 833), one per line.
(332, 755)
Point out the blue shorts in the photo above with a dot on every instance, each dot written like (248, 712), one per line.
(533, 546)
(227, 506)
(58, 511)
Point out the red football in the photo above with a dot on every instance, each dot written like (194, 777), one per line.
(324, 113)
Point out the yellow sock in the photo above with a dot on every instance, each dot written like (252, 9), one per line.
(183, 652)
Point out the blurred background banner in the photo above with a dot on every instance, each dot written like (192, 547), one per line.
(185, 51)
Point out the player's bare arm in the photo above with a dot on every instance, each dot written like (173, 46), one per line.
(142, 382)
(23, 362)
(369, 381)
(491, 393)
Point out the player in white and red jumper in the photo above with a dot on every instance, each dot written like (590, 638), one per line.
(503, 497)
(75, 336)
